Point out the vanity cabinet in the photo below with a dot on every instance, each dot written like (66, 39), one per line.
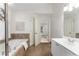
(56, 49)
(59, 50)
(67, 52)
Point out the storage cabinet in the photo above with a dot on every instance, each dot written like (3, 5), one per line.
(59, 50)
(56, 49)
(67, 52)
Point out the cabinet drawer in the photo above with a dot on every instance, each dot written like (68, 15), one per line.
(59, 50)
(68, 53)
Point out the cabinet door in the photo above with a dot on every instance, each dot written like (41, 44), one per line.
(57, 49)
(66, 52)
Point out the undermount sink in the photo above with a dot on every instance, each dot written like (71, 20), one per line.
(71, 40)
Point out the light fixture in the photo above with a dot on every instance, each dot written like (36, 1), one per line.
(71, 6)
(65, 8)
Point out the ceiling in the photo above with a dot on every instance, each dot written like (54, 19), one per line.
(36, 7)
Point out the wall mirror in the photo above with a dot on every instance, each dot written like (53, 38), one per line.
(71, 20)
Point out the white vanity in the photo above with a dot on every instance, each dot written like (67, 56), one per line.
(62, 47)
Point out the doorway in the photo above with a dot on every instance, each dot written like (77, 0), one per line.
(41, 28)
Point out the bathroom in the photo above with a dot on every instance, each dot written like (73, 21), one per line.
(26, 25)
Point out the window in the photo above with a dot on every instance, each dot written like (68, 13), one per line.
(2, 30)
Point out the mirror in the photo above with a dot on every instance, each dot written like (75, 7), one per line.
(71, 21)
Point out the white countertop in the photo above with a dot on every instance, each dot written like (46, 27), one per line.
(73, 47)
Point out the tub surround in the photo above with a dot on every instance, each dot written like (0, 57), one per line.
(72, 47)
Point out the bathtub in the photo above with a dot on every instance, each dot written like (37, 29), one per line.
(16, 44)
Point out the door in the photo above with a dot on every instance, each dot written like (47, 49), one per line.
(37, 30)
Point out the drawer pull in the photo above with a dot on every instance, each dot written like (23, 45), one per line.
(57, 44)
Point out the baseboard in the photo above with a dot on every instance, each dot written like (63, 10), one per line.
(51, 54)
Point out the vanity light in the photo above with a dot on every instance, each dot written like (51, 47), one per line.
(71, 6)
(65, 8)
(68, 8)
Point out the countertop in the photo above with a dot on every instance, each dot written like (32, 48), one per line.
(73, 47)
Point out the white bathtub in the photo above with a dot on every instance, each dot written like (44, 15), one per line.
(15, 44)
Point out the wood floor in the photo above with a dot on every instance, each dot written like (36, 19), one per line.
(43, 49)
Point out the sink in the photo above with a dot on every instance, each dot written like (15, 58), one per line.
(71, 40)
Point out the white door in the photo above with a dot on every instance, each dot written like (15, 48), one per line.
(37, 31)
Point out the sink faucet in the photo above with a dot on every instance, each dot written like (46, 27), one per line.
(71, 39)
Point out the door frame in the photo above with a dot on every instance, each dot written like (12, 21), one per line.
(34, 31)
(49, 28)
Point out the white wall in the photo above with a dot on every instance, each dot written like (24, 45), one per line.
(57, 22)
(69, 25)
(76, 23)
(22, 16)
